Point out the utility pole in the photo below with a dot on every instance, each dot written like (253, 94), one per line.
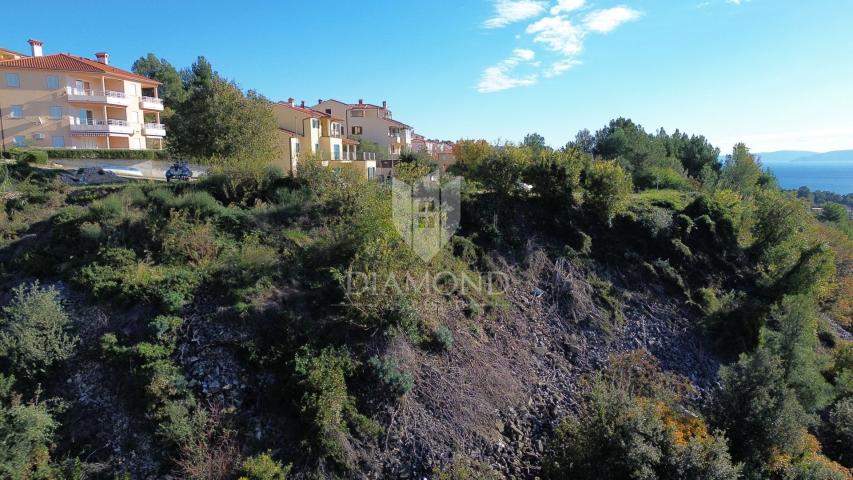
(2, 133)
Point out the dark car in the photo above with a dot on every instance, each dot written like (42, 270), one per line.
(178, 171)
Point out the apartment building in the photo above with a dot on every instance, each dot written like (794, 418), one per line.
(365, 121)
(440, 150)
(65, 101)
(306, 131)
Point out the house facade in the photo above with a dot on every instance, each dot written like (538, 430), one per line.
(65, 101)
(306, 131)
(374, 123)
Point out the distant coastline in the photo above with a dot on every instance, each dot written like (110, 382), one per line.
(830, 171)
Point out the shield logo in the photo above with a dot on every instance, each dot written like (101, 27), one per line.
(426, 214)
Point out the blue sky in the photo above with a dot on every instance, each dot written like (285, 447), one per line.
(777, 74)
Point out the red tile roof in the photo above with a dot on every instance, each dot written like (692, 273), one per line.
(349, 141)
(289, 132)
(395, 122)
(72, 63)
(308, 111)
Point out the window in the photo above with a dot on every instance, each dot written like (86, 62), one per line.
(357, 113)
(329, 111)
(316, 147)
(337, 152)
(13, 80)
(17, 111)
(20, 141)
(296, 147)
(356, 130)
(52, 82)
(58, 141)
(371, 173)
(315, 123)
(55, 112)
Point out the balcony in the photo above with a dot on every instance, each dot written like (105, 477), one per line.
(395, 138)
(151, 103)
(108, 97)
(154, 130)
(120, 127)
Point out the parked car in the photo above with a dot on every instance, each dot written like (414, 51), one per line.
(178, 171)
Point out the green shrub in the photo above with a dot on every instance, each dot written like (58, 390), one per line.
(462, 468)
(607, 189)
(263, 467)
(442, 337)
(27, 431)
(38, 157)
(840, 426)
(388, 372)
(758, 411)
(35, 332)
(113, 154)
(618, 435)
(325, 401)
(792, 335)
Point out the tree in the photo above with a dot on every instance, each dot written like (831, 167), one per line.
(607, 188)
(217, 120)
(584, 141)
(741, 170)
(469, 154)
(534, 141)
(501, 170)
(758, 411)
(171, 88)
(35, 332)
(792, 336)
(834, 212)
(555, 177)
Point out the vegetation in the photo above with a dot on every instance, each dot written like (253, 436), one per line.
(252, 325)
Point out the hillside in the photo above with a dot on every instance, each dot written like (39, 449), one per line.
(252, 325)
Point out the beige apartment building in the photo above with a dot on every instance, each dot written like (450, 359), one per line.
(306, 131)
(65, 101)
(373, 123)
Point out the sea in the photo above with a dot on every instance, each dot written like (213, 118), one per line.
(832, 176)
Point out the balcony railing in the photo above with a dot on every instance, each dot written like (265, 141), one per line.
(96, 96)
(151, 103)
(154, 130)
(96, 125)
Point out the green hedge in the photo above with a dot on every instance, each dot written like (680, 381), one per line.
(108, 154)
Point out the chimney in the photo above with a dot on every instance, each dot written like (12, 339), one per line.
(103, 57)
(319, 101)
(384, 104)
(290, 101)
(302, 104)
(36, 46)
(361, 101)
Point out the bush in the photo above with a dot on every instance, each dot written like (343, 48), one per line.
(38, 157)
(36, 330)
(607, 189)
(758, 411)
(388, 372)
(462, 468)
(27, 432)
(443, 337)
(617, 435)
(841, 431)
(263, 467)
(107, 154)
(326, 402)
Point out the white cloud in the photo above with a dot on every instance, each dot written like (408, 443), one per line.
(499, 77)
(560, 67)
(567, 6)
(607, 20)
(737, 2)
(510, 11)
(558, 34)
